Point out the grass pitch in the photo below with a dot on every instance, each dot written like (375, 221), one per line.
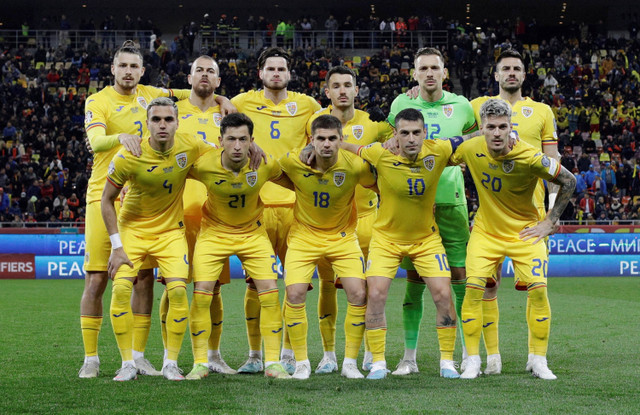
(593, 351)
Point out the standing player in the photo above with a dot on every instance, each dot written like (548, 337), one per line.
(446, 115)
(151, 222)
(200, 117)
(534, 123)
(232, 225)
(280, 117)
(405, 227)
(357, 128)
(324, 228)
(116, 115)
(508, 223)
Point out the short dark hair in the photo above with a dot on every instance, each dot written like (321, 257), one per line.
(234, 120)
(274, 52)
(128, 46)
(409, 114)
(428, 51)
(328, 122)
(342, 70)
(509, 53)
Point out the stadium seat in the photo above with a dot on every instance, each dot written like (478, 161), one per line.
(59, 65)
(357, 61)
(393, 71)
(384, 78)
(67, 65)
(535, 50)
(48, 65)
(52, 90)
(39, 65)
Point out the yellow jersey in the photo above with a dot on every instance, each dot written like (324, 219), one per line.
(325, 200)
(506, 184)
(277, 130)
(233, 204)
(408, 189)
(108, 114)
(205, 126)
(360, 130)
(156, 182)
(532, 122)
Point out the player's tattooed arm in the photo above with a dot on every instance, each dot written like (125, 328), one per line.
(551, 150)
(567, 183)
(307, 155)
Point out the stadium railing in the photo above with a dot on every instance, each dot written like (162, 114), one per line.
(240, 39)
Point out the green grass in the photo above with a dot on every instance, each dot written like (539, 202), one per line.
(593, 350)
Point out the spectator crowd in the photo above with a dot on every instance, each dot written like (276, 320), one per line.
(590, 80)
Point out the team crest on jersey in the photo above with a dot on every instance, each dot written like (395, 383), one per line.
(527, 111)
(358, 131)
(292, 108)
(447, 110)
(252, 178)
(112, 168)
(88, 116)
(429, 162)
(181, 159)
(507, 166)
(217, 118)
(338, 178)
(545, 161)
(142, 102)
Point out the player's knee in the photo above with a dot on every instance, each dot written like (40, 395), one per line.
(121, 291)
(491, 292)
(177, 294)
(95, 285)
(538, 294)
(297, 293)
(357, 295)
(376, 295)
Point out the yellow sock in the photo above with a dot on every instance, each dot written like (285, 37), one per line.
(377, 339)
(490, 320)
(286, 344)
(472, 314)
(200, 324)
(122, 316)
(353, 329)
(270, 324)
(528, 318)
(295, 316)
(540, 320)
(176, 317)
(90, 327)
(447, 341)
(163, 310)
(252, 316)
(217, 316)
(141, 328)
(327, 313)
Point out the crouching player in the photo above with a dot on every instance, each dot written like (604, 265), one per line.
(151, 225)
(324, 225)
(508, 224)
(232, 224)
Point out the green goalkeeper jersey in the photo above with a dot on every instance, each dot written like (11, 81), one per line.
(450, 116)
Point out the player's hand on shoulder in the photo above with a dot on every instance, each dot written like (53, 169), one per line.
(392, 145)
(307, 155)
(226, 107)
(117, 259)
(131, 143)
(414, 92)
(256, 156)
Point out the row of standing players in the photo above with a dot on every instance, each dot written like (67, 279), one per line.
(281, 118)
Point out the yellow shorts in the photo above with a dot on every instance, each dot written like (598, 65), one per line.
(364, 228)
(277, 221)
(428, 257)
(214, 249)
(168, 249)
(307, 249)
(97, 242)
(485, 252)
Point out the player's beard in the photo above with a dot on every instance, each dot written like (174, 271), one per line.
(276, 87)
(128, 85)
(512, 88)
(203, 90)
